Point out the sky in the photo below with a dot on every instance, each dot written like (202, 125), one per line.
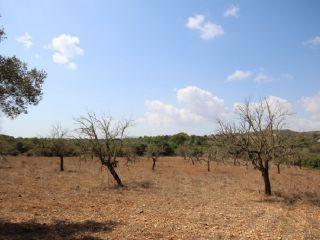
(170, 66)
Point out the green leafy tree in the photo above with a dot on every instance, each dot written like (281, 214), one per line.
(20, 86)
(179, 138)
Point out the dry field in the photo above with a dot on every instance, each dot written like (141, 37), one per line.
(177, 201)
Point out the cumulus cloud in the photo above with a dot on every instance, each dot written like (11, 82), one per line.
(239, 75)
(275, 104)
(198, 106)
(25, 40)
(59, 58)
(232, 11)
(206, 29)
(201, 102)
(314, 41)
(66, 48)
(297, 123)
(197, 109)
(160, 113)
(312, 105)
(292, 121)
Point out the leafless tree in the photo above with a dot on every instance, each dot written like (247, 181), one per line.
(212, 154)
(58, 137)
(84, 151)
(129, 153)
(182, 151)
(105, 137)
(282, 155)
(195, 154)
(4, 162)
(256, 135)
(154, 151)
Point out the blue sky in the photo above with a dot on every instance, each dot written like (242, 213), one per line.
(169, 65)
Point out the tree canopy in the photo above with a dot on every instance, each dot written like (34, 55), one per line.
(20, 86)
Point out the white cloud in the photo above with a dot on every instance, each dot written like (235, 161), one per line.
(312, 105)
(66, 47)
(294, 121)
(197, 109)
(195, 22)
(297, 123)
(239, 75)
(165, 114)
(59, 58)
(291, 121)
(25, 40)
(259, 77)
(72, 66)
(206, 29)
(262, 78)
(232, 11)
(314, 41)
(199, 106)
(201, 102)
(275, 104)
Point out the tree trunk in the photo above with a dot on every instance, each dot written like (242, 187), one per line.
(61, 163)
(278, 168)
(114, 174)
(265, 175)
(208, 163)
(154, 164)
(300, 164)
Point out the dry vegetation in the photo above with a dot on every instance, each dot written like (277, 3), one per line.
(176, 201)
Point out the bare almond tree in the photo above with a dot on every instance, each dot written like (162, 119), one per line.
(182, 151)
(195, 154)
(59, 146)
(130, 154)
(256, 135)
(154, 151)
(282, 155)
(84, 151)
(212, 154)
(105, 137)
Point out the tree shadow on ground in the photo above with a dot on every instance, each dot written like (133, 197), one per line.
(293, 198)
(58, 230)
(137, 185)
(132, 186)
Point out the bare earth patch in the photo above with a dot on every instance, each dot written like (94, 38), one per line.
(177, 201)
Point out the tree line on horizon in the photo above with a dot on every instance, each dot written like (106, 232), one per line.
(171, 145)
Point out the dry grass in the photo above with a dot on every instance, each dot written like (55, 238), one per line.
(177, 201)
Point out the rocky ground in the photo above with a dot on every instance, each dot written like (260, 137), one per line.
(177, 201)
